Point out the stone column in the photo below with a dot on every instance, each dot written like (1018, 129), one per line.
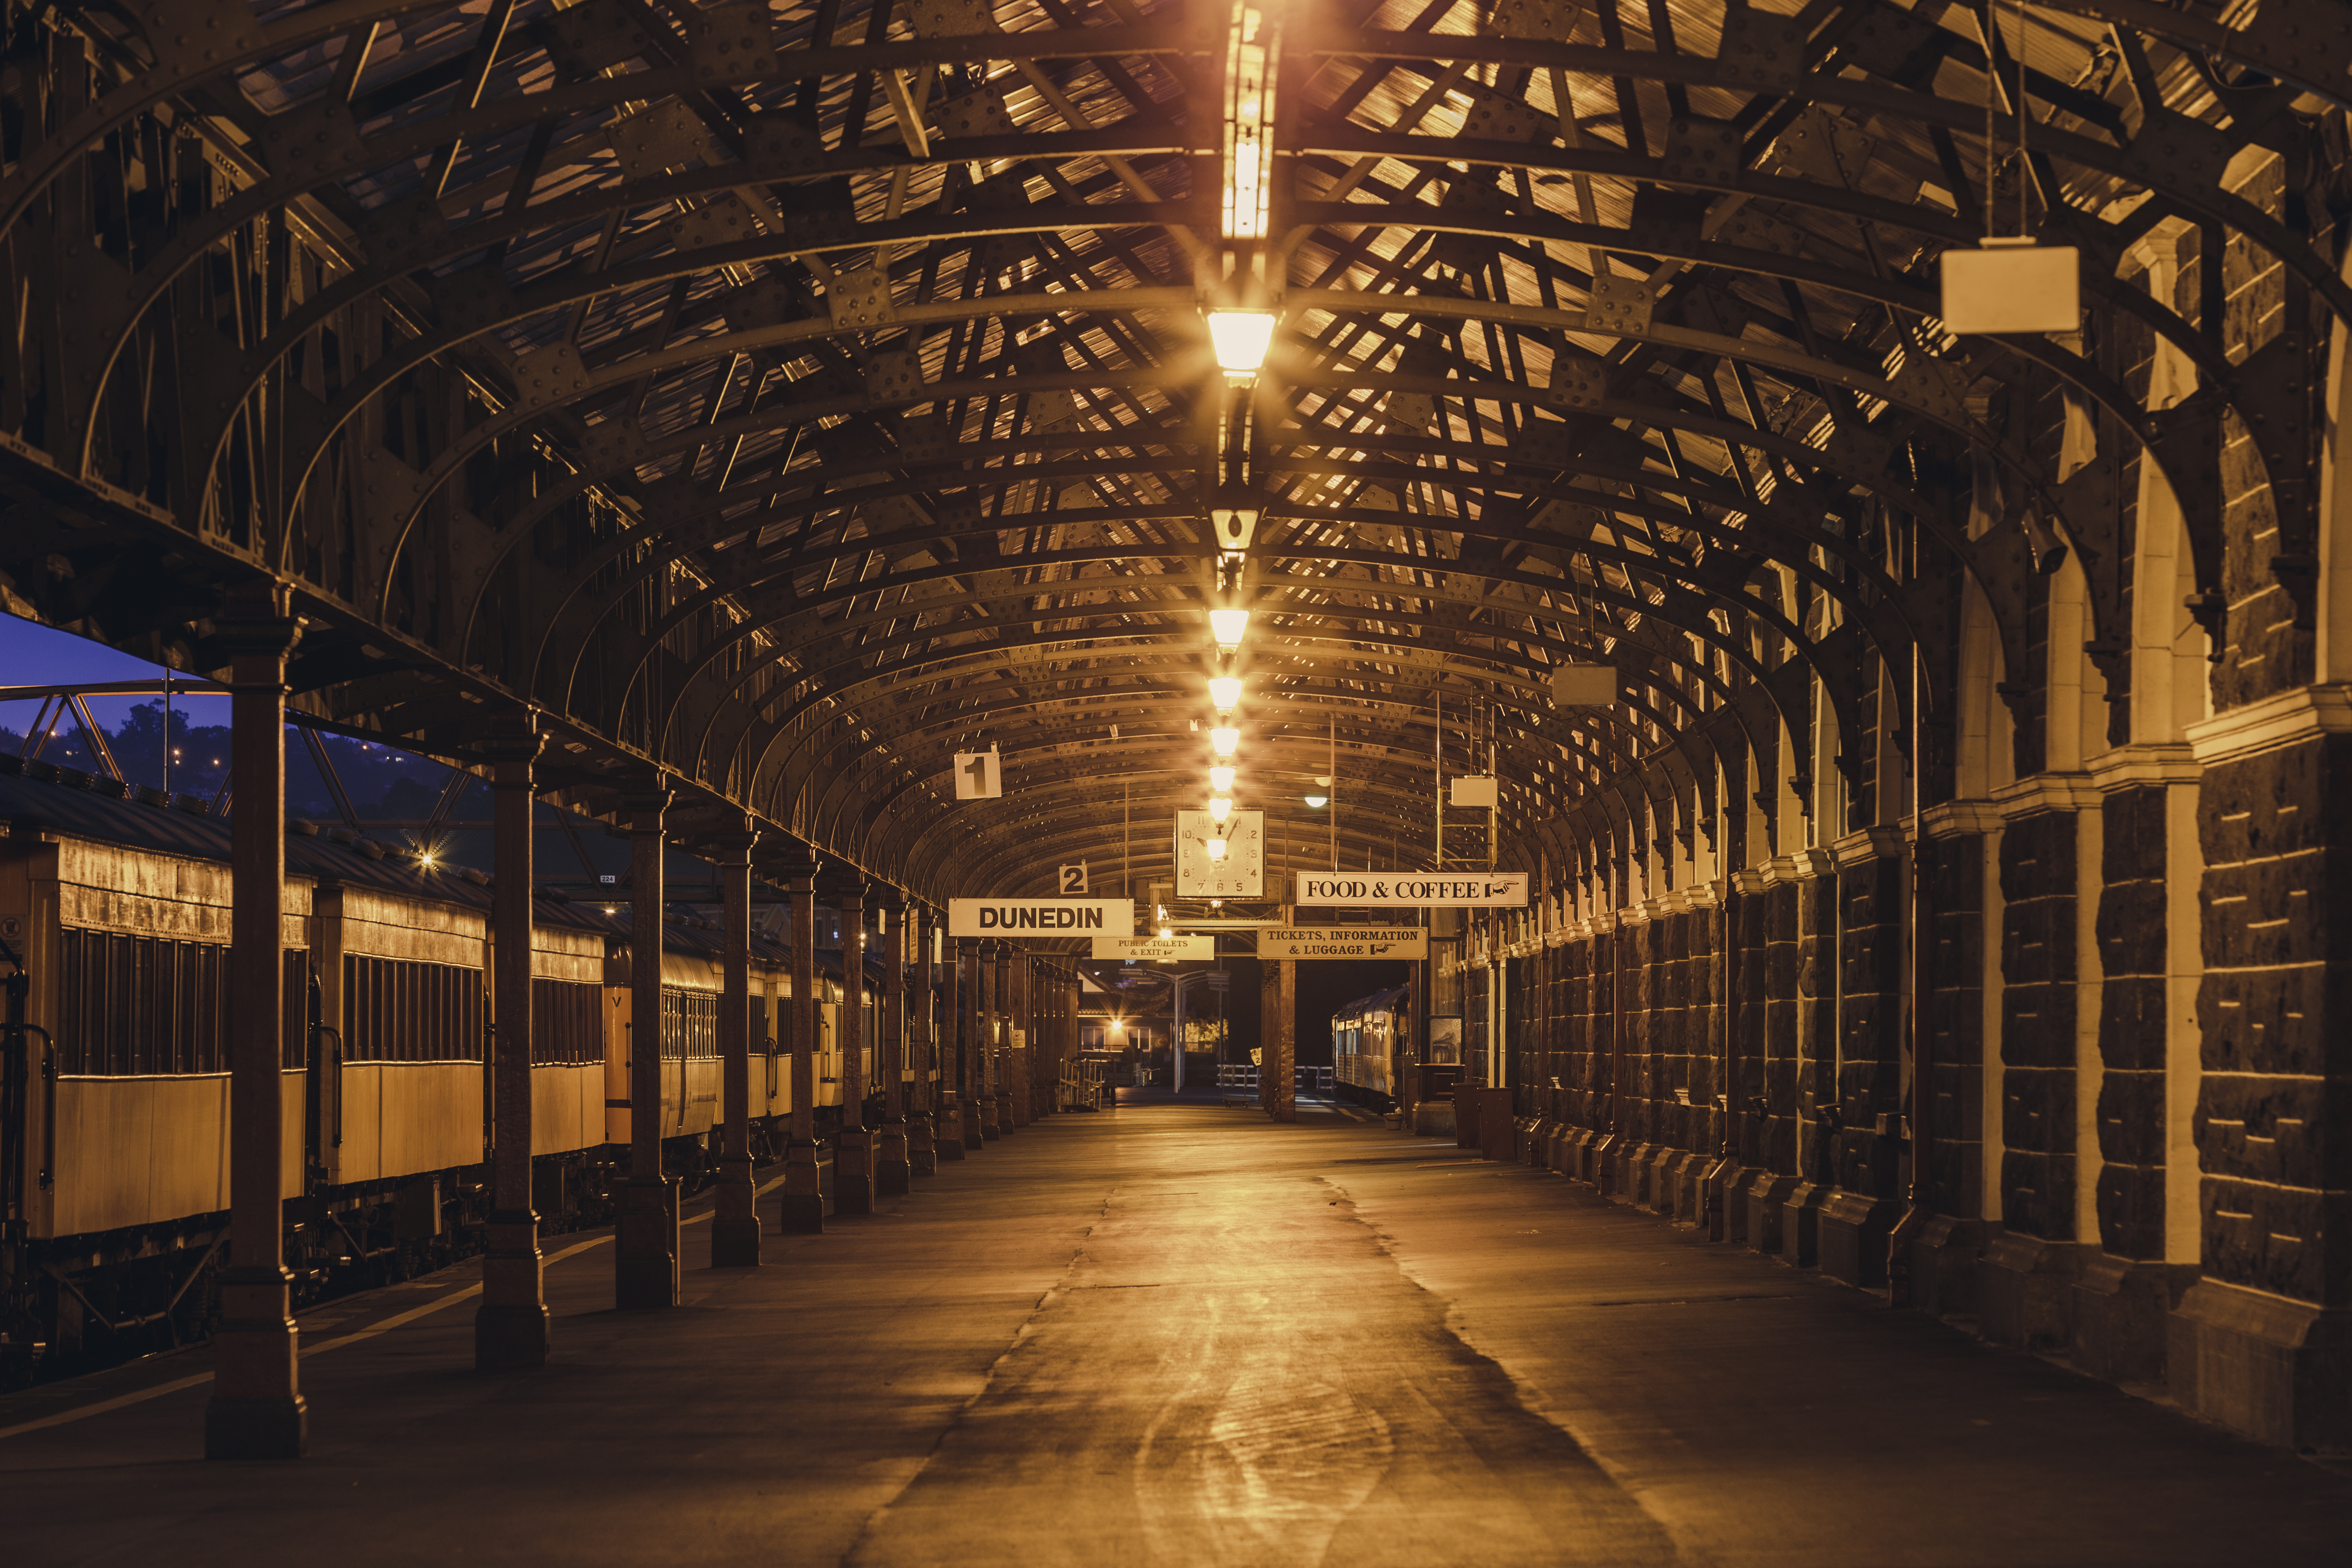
(257, 1410)
(1773, 1115)
(644, 1264)
(804, 1209)
(922, 1124)
(1962, 861)
(2263, 1342)
(1814, 1076)
(735, 1228)
(510, 1325)
(853, 1146)
(972, 1036)
(2050, 853)
(1865, 1156)
(892, 1166)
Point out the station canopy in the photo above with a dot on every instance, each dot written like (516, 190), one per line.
(781, 399)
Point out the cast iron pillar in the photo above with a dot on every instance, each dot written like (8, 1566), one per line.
(853, 1148)
(803, 1210)
(257, 1410)
(923, 1032)
(735, 1228)
(989, 997)
(968, 1035)
(645, 1263)
(510, 1325)
(892, 1168)
(1007, 1027)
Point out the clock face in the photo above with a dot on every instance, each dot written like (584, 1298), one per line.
(1240, 874)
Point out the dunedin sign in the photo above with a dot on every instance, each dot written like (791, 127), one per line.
(1435, 890)
(1040, 916)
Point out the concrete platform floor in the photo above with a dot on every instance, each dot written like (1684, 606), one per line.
(1177, 1334)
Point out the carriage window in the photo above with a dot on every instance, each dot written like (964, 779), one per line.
(567, 1023)
(690, 1023)
(401, 1011)
(150, 1006)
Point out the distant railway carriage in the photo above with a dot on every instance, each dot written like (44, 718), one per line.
(1366, 1036)
(114, 1153)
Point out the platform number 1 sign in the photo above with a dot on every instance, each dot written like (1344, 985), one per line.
(979, 775)
(1074, 880)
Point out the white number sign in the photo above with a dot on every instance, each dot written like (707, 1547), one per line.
(979, 775)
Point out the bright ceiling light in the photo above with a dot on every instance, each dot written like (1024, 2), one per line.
(1225, 739)
(1220, 809)
(1229, 626)
(1225, 692)
(1252, 47)
(1221, 779)
(1317, 801)
(1241, 338)
(1216, 849)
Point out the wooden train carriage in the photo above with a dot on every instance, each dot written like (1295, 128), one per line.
(1364, 1036)
(119, 910)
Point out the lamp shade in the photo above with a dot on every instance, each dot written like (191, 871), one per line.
(1221, 779)
(1225, 692)
(1229, 626)
(1240, 339)
(1225, 740)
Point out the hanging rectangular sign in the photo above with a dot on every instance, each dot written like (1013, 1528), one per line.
(1411, 890)
(1342, 942)
(1157, 948)
(1040, 916)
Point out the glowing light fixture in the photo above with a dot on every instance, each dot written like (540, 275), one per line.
(1225, 740)
(1216, 849)
(1221, 779)
(1241, 338)
(1251, 48)
(1229, 626)
(1220, 809)
(1165, 932)
(1225, 692)
(1317, 801)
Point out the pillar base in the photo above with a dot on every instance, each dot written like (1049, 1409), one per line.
(256, 1411)
(510, 1326)
(803, 1207)
(1766, 1194)
(922, 1147)
(1943, 1266)
(510, 1337)
(1433, 1119)
(273, 1428)
(1852, 1237)
(2122, 1316)
(1004, 1123)
(975, 1127)
(989, 1127)
(735, 1229)
(2025, 1291)
(946, 1140)
(1800, 1223)
(2278, 1370)
(853, 1172)
(893, 1167)
(1711, 1181)
(645, 1270)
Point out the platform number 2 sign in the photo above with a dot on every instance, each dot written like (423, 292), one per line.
(1074, 880)
(979, 775)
